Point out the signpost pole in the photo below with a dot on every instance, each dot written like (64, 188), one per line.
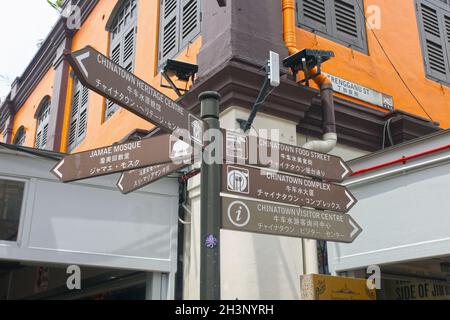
(210, 206)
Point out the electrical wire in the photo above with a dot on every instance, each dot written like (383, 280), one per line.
(393, 65)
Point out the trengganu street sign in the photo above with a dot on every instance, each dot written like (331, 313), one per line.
(108, 79)
(243, 149)
(269, 185)
(117, 158)
(289, 221)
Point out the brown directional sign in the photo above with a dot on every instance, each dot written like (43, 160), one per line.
(289, 221)
(120, 157)
(269, 185)
(136, 179)
(245, 149)
(108, 79)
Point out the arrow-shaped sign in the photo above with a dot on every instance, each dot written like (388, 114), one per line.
(269, 185)
(136, 179)
(121, 157)
(108, 79)
(249, 150)
(290, 221)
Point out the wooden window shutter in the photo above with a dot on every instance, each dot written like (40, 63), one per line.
(349, 22)
(123, 43)
(447, 41)
(340, 20)
(190, 21)
(169, 30)
(129, 48)
(314, 14)
(116, 57)
(42, 126)
(82, 117)
(78, 115)
(74, 116)
(435, 40)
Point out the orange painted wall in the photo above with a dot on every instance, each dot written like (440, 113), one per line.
(399, 35)
(93, 32)
(25, 115)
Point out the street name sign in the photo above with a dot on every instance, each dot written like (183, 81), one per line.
(270, 185)
(108, 79)
(243, 149)
(120, 157)
(290, 221)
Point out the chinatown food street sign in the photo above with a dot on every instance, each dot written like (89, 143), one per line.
(289, 221)
(108, 79)
(292, 159)
(269, 185)
(122, 157)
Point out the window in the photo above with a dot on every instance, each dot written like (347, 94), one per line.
(78, 115)
(122, 42)
(11, 197)
(179, 25)
(342, 21)
(434, 24)
(19, 138)
(42, 116)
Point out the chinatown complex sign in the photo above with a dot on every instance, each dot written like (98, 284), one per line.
(266, 187)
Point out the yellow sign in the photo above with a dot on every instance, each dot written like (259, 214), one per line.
(321, 287)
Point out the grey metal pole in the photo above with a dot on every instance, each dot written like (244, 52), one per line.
(210, 206)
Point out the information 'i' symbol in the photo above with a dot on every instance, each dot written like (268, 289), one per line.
(239, 214)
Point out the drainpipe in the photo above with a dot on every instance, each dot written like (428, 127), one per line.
(329, 140)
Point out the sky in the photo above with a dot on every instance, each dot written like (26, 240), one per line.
(22, 24)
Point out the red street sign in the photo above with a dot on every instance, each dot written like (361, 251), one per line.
(136, 179)
(108, 79)
(244, 149)
(289, 221)
(269, 185)
(121, 157)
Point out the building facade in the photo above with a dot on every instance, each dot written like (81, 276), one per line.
(391, 76)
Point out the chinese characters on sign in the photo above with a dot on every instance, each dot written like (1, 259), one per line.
(362, 93)
(243, 149)
(108, 79)
(114, 159)
(289, 221)
(263, 184)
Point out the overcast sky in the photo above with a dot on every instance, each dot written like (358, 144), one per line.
(22, 24)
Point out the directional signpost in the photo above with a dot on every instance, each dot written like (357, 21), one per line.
(108, 79)
(255, 199)
(136, 179)
(245, 149)
(264, 184)
(288, 221)
(117, 158)
(103, 76)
